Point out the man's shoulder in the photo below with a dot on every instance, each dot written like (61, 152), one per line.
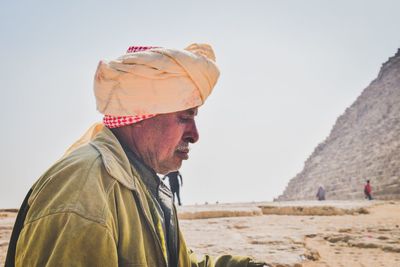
(77, 183)
(84, 162)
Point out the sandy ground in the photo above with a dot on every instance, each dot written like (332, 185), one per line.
(308, 234)
(6, 224)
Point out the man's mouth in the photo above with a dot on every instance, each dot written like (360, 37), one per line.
(183, 151)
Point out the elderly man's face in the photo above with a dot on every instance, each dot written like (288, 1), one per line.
(162, 142)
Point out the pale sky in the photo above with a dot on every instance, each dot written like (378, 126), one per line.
(288, 70)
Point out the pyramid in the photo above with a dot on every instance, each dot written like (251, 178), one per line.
(364, 144)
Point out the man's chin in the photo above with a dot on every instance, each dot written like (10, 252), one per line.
(170, 168)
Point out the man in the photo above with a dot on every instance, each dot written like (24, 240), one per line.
(174, 185)
(321, 193)
(102, 203)
(368, 190)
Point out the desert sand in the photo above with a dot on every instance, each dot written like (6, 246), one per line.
(309, 234)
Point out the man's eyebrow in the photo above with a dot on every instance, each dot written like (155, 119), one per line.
(191, 112)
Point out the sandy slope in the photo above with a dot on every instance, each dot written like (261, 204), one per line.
(350, 239)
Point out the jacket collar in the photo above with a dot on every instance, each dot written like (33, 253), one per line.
(114, 158)
(147, 174)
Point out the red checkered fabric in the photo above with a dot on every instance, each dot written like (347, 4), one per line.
(115, 122)
(119, 121)
(133, 49)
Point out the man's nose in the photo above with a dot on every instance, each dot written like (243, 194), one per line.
(191, 134)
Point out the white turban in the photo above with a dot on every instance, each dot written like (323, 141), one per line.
(155, 81)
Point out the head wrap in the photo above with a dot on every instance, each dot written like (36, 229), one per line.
(111, 121)
(151, 80)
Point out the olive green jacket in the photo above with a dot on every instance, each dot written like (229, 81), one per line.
(91, 209)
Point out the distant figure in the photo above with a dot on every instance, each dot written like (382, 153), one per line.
(174, 184)
(368, 190)
(321, 193)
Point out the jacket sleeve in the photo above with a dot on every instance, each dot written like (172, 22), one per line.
(66, 239)
(221, 261)
(225, 261)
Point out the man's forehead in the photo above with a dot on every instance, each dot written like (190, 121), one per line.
(187, 112)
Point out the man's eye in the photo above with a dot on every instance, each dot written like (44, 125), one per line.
(184, 119)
